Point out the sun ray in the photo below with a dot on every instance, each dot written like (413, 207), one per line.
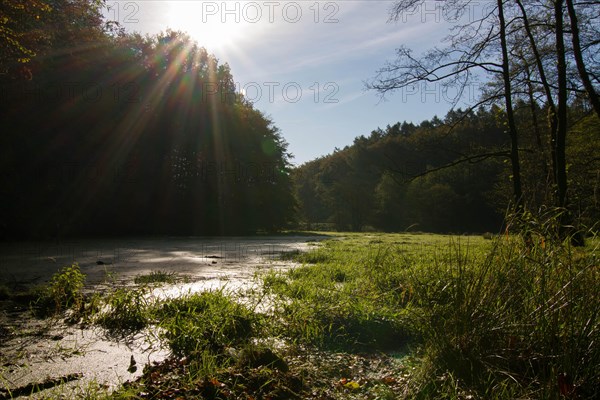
(214, 28)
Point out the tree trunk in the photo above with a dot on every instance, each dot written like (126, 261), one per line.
(561, 110)
(566, 222)
(585, 78)
(541, 145)
(552, 112)
(512, 127)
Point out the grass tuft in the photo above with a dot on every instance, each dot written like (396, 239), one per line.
(64, 291)
(127, 311)
(156, 277)
(208, 321)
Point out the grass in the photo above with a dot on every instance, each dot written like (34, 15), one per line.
(488, 319)
(207, 321)
(63, 292)
(482, 319)
(354, 294)
(126, 311)
(156, 277)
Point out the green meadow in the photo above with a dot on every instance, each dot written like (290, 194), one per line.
(500, 318)
(367, 316)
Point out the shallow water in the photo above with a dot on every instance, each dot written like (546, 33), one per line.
(34, 351)
(35, 262)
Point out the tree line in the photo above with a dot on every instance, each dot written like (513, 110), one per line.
(445, 175)
(539, 62)
(110, 133)
(106, 132)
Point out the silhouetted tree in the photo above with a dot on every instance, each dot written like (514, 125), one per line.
(124, 134)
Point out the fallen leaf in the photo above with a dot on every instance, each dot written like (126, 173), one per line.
(352, 385)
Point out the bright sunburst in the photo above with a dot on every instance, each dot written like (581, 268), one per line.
(212, 26)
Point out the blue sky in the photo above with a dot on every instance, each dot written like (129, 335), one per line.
(304, 63)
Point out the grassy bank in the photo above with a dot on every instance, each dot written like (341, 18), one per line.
(372, 316)
(485, 318)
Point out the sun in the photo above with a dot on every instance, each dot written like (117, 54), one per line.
(211, 24)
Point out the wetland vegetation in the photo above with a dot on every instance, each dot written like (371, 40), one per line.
(367, 316)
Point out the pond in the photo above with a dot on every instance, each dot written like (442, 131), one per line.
(35, 351)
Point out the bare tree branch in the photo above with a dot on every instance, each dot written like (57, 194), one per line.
(473, 159)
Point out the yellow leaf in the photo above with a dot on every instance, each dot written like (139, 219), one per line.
(352, 385)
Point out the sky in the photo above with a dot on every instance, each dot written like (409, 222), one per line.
(305, 63)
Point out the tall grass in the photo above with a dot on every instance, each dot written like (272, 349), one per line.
(502, 319)
(525, 316)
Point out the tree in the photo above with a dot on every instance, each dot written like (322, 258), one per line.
(309, 192)
(395, 181)
(168, 145)
(512, 126)
(472, 48)
(578, 54)
(557, 96)
(512, 77)
(21, 35)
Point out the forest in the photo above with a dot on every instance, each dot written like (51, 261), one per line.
(106, 132)
(451, 175)
(527, 146)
